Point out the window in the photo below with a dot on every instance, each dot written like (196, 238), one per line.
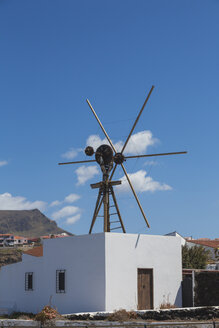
(29, 281)
(60, 281)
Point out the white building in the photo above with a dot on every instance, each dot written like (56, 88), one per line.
(20, 241)
(98, 272)
(176, 234)
(12, 240)
(6, 240)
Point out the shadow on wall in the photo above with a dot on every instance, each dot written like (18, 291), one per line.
(178, 299)
(137, 240)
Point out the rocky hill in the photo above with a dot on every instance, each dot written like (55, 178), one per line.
(10, 255)
(28, 223)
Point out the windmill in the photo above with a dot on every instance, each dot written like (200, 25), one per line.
(108, 159)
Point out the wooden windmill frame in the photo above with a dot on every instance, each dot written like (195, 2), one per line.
(108, 159)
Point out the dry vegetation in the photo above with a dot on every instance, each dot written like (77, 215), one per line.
(10, 255)
(48, 313)
(167, 306)
(123, 315)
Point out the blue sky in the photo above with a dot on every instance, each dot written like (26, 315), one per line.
(55, 54)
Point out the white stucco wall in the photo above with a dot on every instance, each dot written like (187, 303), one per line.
(125, 253)
(83, 258)
(176, 234)
(101, 273)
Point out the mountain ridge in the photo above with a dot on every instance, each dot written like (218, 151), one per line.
(28, 223)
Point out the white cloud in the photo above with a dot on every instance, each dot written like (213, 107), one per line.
(65, 211)
(95, 141)
(141, 183)
(73, 219)
(150, 163)
(71, 198)
(55, 203)
(70, 154)
(85, 173)
(9, 202)
(3, 163)
(138, 143)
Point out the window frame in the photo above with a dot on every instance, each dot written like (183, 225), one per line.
(27, 275)
(58, 290)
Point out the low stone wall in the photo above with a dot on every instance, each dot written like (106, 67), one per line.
(201, 313)
(205, 317)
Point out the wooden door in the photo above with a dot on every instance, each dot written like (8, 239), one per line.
(145, 289)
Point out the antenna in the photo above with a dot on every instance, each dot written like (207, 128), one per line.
(108, 159)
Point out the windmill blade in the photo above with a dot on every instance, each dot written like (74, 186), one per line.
(136, 121)
(162, 154)
(78, 162)
(136, 197)
(104, 131)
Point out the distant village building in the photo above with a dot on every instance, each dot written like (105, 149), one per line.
(6, 240)
(10, 240)
(97, 272)
(210, 245)
(50, 236)
(20, 241)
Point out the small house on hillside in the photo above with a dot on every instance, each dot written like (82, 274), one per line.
(6, 240)
(20, 241)
(10, 240)
(98, 272)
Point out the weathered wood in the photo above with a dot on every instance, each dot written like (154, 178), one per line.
(117, 209)
(145, 289)
(96, 210)
(97, 185)
(101, 184)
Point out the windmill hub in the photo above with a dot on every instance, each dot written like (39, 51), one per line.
(119, 158)
(104, 155)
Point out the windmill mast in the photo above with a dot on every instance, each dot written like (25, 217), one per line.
(106, 226)
(105, 191)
